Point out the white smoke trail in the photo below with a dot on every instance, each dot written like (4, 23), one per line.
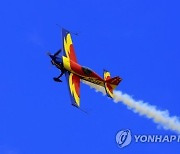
(160, 117)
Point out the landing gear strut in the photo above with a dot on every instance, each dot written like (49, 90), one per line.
(57, 79)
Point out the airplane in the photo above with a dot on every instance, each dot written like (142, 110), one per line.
(74, 72)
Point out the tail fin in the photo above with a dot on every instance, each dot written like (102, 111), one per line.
(110, 83)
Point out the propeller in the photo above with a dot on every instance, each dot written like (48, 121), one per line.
(48, 53)
(57, 53)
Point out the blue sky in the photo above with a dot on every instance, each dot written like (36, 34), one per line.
(137, 40)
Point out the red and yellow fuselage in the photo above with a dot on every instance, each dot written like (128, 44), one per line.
(82, 72)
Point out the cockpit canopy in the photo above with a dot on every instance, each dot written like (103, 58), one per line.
(86, 70)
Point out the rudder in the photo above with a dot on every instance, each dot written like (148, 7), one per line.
(110, 83)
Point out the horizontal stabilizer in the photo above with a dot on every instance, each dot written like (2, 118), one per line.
(110, 83)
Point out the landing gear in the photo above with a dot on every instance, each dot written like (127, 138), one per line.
(57, 79)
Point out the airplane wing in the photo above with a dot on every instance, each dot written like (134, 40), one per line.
(72, 80)
(68, 48)
(74, 88)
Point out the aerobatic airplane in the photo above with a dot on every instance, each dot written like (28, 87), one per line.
(74, 72)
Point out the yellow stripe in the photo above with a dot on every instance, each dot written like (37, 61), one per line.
(106, 74)
(67, 43)
(108, 91)
(73, 90)
(66, 63)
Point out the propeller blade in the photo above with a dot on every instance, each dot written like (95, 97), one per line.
(57, 53)
(48, 53)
